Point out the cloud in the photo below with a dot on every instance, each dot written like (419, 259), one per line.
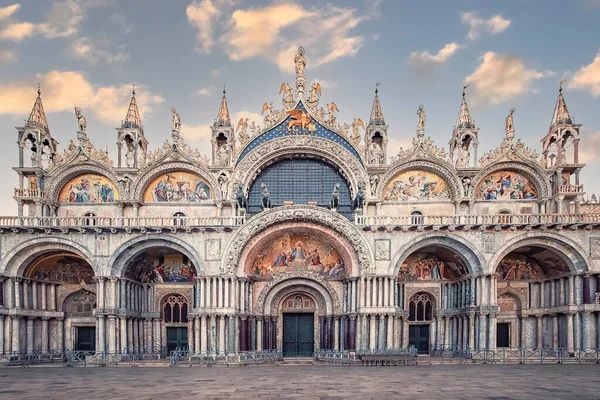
(94, 50)
(502, 77)
(215, 72)
(425, 57)
(590, 151)
(205, 91)
(203, 14)
(276, 31)
(18, 31)
(326, 83)
(7, 56)
(61, 90)
(6, 12)
(588, 77)
(479, 26)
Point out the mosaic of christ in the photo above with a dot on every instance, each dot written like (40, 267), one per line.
(294, 252)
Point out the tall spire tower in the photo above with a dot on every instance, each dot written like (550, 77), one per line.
(300, 65)
(464, 137)
(223, 136)
(37, 117)
(376, 137)
(132, 145)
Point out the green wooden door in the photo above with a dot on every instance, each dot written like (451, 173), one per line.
(85, 339)
(418, 336)
(177, 337)
(298, 334)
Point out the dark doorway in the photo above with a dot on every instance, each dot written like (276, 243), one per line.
(503, 334)
(85, 338)
(418, 336)
(298, 334)
(177, 337)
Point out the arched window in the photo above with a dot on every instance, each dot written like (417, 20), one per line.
(175, 309)
(420, 308)
(179, 219)
(89, 219)
(416, 218)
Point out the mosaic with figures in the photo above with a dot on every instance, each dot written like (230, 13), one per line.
(177, 187)
(293, 252)
(89, 188)
(531, 263)
(505, 185)
(432, 264)
(416, 185)
(160, 265)
(62, 268)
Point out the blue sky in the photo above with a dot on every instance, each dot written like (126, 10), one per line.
(180, 53)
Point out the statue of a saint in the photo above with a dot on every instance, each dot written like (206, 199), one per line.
(176, 120)
(300, 62)
(223, 155)
(421, 114)
(81, 121)
(242, 127)
(509, 126)
(356, 123)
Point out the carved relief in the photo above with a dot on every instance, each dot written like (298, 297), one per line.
(382, 249)
(213, 249)
(102, 245)
(595, 248)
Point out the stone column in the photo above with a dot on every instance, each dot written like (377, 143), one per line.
(26, 295)
(130, 335)
(523, 331)
(259, 334)
(372, 332)
(157, 345)
(244, 332)
(354, 295)
(17, 292)
(472, 331)
(405, 332)
(482, 331)
(123, 333)
(459, 330)
(45, 337)
(577, 331)
(336, 333)
(30, 334)
(34, 296)
(390, 331)
(136, 335)
(554, 331)
(191, 337)
(100, 333)
(221, 334)
(362, 290)
(571, 290)
(570, 339)
(213, 334)
(197, 335)
(112, 334)
(1, 333)
(539, 331)
(60, 332)
(465, 331)
(586, 330)
(381, 333)
(380, 293)
(352, 332)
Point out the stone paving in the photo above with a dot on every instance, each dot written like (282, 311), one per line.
(304, 382)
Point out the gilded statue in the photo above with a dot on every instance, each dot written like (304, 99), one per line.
(298, 118)
(331, 110)
(242, 127)
(81, 121)
(315, 92)
(270, 116)
(356, 123)
(288, 100)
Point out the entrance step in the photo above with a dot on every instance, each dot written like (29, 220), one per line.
(296, 361)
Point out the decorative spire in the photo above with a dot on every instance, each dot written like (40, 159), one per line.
(132, 119)
(37, 118)
(300, 66)
(561, 113)
(376, 113)
(223, 115)
(464, 120)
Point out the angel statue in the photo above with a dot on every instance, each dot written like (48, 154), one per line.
(176, 120)
(509, 126)
(81, 121)
(242, 127)
(254, 129)
(268, 108)
(421, 114)
(288, 100)
(356, 123)
(331, 109)
(315, 92)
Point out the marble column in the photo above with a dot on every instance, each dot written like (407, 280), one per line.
(259, 334)
(571, 290)
(112, 334)
(123, 334)
(136, 336)
(405, 340)
(472, 331)
(1, 334)
(221, 334)
(100, 332)
(482, 331)
(213, 334)
(381, 334)
(244, 332)
(336, 333)
(372, 332)
(157, 344)
(577, 331)
(45, 342)
(539, 331)
(465, 331)
(585, 330)
(390, 332)
(130, 335)
(554, 331)
(570, 339)
(197, 335)
(203, 335)
(30, 321)
(191, 337)
(60, 332)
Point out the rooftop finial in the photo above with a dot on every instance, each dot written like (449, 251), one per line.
(223, 118)
(376, 113)
(133, 90)
(37, 117)
(464, 119)
(39, 92)
(561, 113)
(132, 119)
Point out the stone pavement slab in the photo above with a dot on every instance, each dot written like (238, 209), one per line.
(304, 382)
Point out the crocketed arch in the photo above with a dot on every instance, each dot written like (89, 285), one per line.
(299, 146)
(64, 174)
(570, 252)
(327, 218)
(530, 170)
(153, 171)
(473, 259)
(447, 174)
(275, 291)
(130, 249)
(18, 258)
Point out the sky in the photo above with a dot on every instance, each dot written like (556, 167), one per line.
(181, 53)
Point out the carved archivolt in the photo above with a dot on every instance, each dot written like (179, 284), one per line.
(300, 281)
(437, 167)
(247, 169)
(262, 221)
(61, 176)
(151, 172)
(520, 293)
(530, 171)
(299, 289)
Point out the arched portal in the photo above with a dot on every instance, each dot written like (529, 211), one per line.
(421, 308)
(80, 324)
(174, 310)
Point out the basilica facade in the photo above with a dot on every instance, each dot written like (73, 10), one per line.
(301, 234)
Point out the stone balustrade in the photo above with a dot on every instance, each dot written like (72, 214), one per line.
(569, 189)
(29, 193)
(120, 222)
